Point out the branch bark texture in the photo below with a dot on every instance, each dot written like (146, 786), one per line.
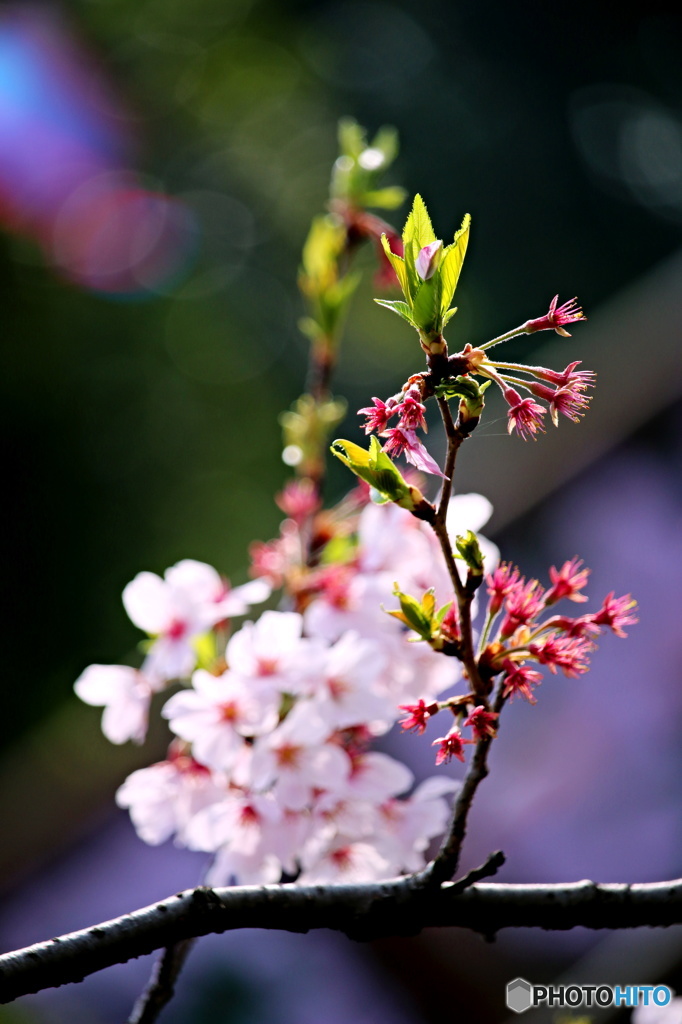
(363, 912)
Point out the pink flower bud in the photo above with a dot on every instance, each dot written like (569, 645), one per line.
(428, 259)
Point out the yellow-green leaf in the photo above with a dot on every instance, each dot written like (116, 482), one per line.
(375, 467)
(396, 614)
(426, 306)
(321, 250)
(398, 264)
(418, 228)
(401, 308)
(355, 457)
(451, 263)
(386, 139)
(442, 612)
(429, 604)
(469, 548)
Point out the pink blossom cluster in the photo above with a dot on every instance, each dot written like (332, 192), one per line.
(564, 392)
(271, 769)
(565, 397)
(559, 642)
(402, 438)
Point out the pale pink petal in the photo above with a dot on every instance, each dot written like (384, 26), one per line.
(468, 512)
(105, 684)
(148, 602)
(149, 794)
(170, 658)
(377, 777)
(201, 582)
(238, 600)
(125, 695)
(417, 454)
(127, 719)
(258, 869)
(347, 862)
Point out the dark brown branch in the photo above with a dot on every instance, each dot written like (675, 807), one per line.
(454, 441)
(490, 867)
(439, 526)
(397, 907)
(447, 859)
(445, 864)
(161, 985)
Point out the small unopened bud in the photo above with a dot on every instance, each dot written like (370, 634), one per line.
(469, 549)
(376, 469)
(428, 259)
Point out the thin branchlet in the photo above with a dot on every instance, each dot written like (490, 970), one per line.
(161, 986)
(447, 859)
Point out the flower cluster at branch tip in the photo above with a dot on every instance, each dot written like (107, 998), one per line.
(523, 637)
(428, 273)
(563, 392)
(402, 438)
(557, 641)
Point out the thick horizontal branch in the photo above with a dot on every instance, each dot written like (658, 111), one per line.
(367, 911)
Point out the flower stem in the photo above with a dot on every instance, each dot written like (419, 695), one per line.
(439, 525)
(490, 618)
(503, 337)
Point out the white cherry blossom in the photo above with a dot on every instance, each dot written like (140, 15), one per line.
(348, 692)
(235, 821)
(258, 868)
(295, 759)
(272, 652)
(208, 588)
(345, 861)
(217, 713)
(125, 695)
(163, 798)
(190, 599)
(376, 777)
(405, 827)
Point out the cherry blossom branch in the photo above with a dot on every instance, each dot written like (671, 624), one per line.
(363, 912)
(439, 524)
(445, 864)
(455, 439)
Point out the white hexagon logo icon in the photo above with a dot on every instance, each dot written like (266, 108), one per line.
(519, 995)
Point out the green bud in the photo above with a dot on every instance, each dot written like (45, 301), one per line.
(469, 549)
(470, 393)
(418, 615)
(375, 467)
